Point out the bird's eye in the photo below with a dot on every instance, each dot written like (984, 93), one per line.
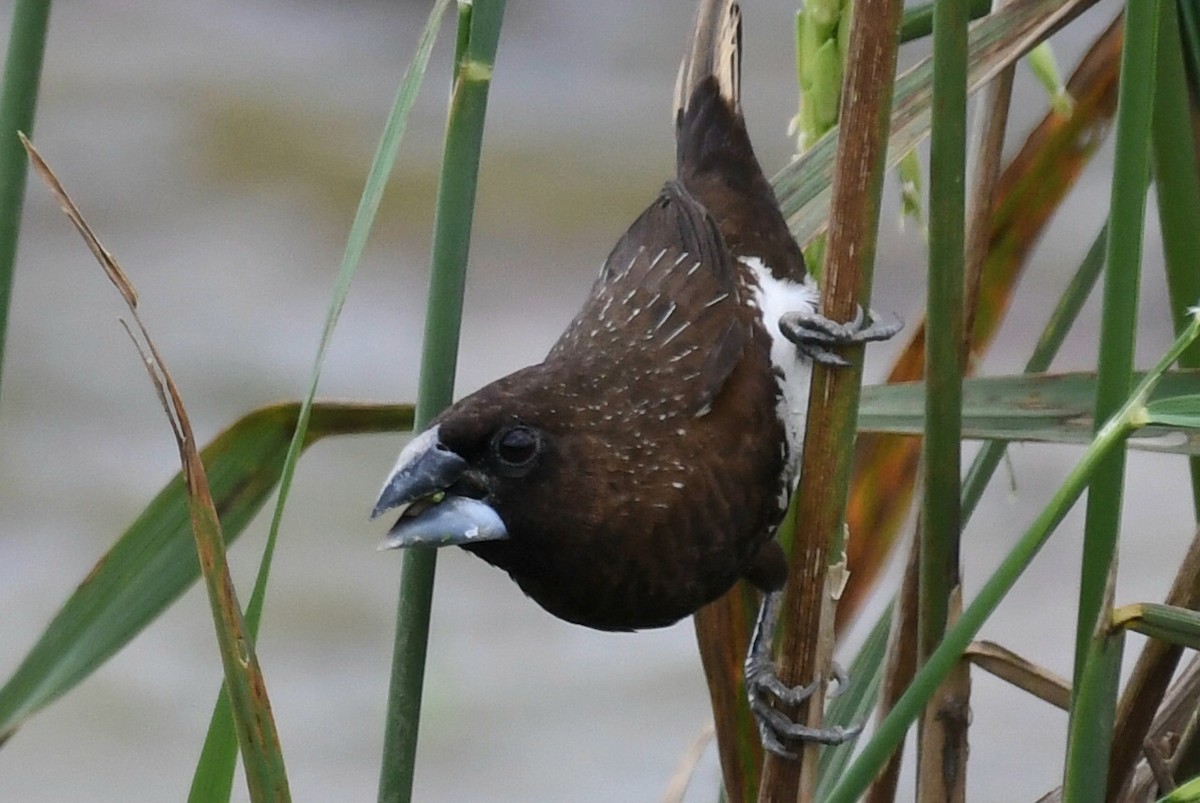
(517, 449)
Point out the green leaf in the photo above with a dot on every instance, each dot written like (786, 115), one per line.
(1165, 622)
(1178, 411)
(1047, 408)
(154, 562)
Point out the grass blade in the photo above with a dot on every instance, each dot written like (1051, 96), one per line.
(262, 755)
(1097, 653)
(154, 561)
(18, 101)
(1021, 673)
(1044, 408)
(1168, 623)
(1177, 184)
(478, 35)
(213, 778)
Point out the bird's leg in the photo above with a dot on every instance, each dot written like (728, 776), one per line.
(815, 335)
(763, 687)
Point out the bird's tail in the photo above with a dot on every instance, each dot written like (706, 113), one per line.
(715, 161)
(717, 51)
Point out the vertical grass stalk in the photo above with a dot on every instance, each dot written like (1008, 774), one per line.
(941, 521)
(1177, 182)
(1096, 660)
(18, 102)
(1093, 701)
(478, 34)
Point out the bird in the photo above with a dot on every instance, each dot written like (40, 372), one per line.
(644, 466)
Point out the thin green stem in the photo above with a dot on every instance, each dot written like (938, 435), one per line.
(1088, 746)
(18, 102)
(943, 343)
(941, 519)
(478, 34)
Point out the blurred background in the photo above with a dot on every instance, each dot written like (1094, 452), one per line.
(219, 149)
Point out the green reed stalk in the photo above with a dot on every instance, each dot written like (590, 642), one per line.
(1097, 653)
(478, 33)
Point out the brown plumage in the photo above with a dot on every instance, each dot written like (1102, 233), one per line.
(642, 468)
(662, 462)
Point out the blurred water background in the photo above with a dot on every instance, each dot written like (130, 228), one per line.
(218, 149)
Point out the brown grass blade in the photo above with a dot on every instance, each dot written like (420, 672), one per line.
(682, 776)
(259, 740)
(1021, 672)
(723, 633)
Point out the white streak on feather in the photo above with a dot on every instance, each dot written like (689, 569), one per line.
(677, 332)
(717, 300)
(664, 319)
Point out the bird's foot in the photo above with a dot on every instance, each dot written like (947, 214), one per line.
(764, 689)
(775, 728)
(815, 335)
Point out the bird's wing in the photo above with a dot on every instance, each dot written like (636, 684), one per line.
(662, 324)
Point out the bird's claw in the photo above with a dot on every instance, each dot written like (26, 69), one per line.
(775, 728)
(764, 690)
(815, 335)
(762, 681)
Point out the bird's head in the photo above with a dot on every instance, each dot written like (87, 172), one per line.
(449, 478)
(490, 468)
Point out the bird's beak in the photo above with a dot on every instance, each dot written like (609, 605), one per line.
(433, 516)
